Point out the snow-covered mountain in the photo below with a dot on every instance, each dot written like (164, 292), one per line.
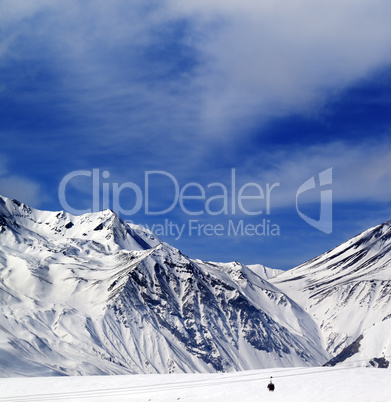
(348, 293)
(91, 294)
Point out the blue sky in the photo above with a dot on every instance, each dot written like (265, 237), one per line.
(277, 92)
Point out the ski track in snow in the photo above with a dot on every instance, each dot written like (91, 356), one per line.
(295, 384)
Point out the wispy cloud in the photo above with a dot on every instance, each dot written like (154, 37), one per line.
(361, 172)
(18, 187)
(189, 87)
(271, 58)
(231, 64)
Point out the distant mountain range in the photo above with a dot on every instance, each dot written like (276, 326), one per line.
(91, 294)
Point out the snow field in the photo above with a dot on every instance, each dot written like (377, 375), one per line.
(293, 384)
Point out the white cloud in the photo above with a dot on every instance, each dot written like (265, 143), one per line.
(17, 187)
(21, 189)
(360, 172)
(270, 58)
(257, 59)
(15, 11)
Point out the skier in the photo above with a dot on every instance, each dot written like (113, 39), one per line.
(271, 385)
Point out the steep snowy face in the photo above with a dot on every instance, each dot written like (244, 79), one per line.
(348, 289)
(91, 294)
(222, 314)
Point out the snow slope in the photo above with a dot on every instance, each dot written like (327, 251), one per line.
(348, 292)
(292, 385)
(264, 272)
(90, 295)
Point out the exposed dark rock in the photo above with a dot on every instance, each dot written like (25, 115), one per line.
(3, 222)
(349, 351)
(379, 362)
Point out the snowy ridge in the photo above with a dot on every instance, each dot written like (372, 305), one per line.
(91, 294)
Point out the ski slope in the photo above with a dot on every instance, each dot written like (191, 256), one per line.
(339, 384)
